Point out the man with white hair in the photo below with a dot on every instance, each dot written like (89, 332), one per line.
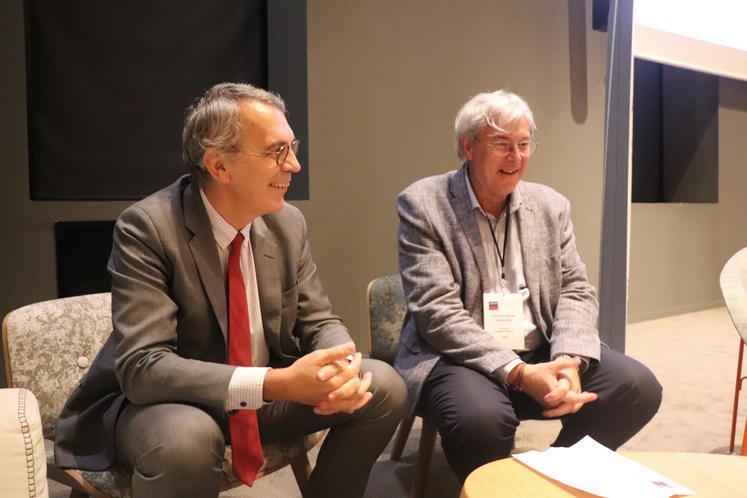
(502, 321)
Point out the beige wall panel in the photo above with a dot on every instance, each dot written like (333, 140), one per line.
(385, 81)
(677, 250)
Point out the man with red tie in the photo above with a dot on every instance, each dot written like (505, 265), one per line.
(222, 332)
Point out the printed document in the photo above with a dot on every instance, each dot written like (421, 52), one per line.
(591, 467)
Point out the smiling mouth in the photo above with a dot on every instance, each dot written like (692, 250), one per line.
(509, 171)
(280, 185)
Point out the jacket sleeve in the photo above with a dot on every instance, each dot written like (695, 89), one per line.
(574, 320)
(144, 314)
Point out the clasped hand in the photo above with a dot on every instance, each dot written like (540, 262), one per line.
(323, 378)
(556, 385)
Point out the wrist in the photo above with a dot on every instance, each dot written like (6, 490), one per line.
(515, 379)
(273, 385)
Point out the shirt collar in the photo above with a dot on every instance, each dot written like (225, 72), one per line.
(514, 200)
(223, 231)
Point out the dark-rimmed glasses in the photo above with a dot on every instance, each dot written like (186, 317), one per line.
(281, 153)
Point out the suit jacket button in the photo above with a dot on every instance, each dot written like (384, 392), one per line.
(82, 362)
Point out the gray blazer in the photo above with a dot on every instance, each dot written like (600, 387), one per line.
(169, 314)
(443, 268)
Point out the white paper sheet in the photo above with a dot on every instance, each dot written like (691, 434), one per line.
(591, 467)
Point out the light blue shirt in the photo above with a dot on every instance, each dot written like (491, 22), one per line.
(514, 268)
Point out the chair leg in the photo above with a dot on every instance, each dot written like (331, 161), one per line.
(423, 462)
(403, 431)
(737, 388)
(302, 471)
(743, 451)
(79, 487)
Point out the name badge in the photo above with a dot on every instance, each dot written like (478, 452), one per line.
(503, 316)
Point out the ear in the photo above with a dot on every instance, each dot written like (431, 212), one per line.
(216, 165)
(467, 148)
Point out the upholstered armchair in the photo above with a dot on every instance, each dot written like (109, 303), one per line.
(48, 346)
(386, 314)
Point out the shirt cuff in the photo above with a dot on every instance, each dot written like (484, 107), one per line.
(502, 372)
(245, 389)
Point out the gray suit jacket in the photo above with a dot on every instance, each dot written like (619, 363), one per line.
(169, 313)
(444, 273)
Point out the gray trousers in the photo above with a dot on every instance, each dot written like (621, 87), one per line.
(176, 450)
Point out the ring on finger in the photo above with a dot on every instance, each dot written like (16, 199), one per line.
(350, 359)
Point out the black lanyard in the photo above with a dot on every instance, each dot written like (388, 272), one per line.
(502, 257)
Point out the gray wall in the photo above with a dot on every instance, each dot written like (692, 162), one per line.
(677, 250)
(386, 79)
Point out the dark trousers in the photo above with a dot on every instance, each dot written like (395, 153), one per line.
(176, 450)
(477, 416)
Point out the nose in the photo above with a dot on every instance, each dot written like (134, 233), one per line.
(291, 162)
(514, 153)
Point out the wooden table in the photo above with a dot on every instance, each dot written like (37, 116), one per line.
(710, 476)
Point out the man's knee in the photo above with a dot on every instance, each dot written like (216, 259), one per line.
(173, 438)
(648, 390)
(476, 436)
(640, 385)
(387, 387)
(628, 386)
(481, 429)
(199, 446)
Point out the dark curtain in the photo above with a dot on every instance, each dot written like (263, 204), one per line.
(108, 83)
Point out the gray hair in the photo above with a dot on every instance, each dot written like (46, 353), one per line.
(213, 121)
(501, 110)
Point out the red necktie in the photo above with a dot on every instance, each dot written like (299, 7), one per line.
(245, 446)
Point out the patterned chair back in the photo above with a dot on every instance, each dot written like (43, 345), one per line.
(48, 346)
(386, 314)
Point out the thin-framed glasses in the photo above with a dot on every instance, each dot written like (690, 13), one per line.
(505, 147)
(281, 153)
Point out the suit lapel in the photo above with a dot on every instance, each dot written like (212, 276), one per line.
(460, 203)
(205, 254)
(266, 260)
(527, 226)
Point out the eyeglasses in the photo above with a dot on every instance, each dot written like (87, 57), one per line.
(504, 147)
(281, 153)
